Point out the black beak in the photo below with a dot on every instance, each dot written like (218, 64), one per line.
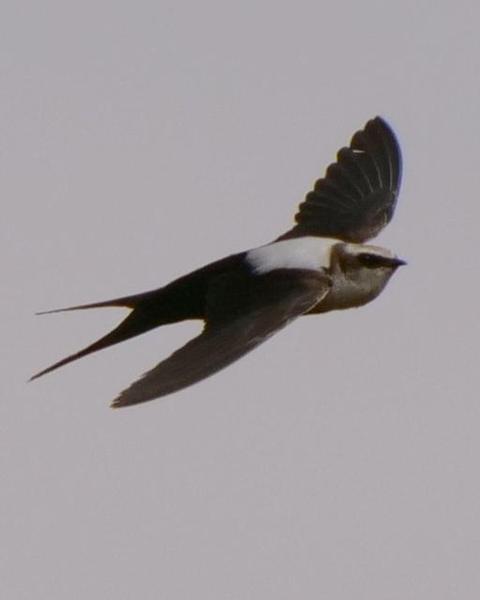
(397, 262)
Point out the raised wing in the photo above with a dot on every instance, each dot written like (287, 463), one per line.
(357, 196)
(237, 322)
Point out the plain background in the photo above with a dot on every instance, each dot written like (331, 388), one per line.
(140, 140)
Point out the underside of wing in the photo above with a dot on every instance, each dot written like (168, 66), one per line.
(229, 336)
(357, 196)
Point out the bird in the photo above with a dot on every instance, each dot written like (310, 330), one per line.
(322, 263)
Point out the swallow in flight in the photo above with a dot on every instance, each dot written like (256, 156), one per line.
(321, 264)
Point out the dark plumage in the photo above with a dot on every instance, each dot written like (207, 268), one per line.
(358, 194)
(317, 266)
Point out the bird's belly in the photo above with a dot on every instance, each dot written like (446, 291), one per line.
(341, 297)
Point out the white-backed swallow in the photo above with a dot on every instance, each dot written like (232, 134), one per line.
(321, 264)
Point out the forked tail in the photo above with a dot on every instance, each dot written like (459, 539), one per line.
(150, 310)
(129, 327)
(182, 299)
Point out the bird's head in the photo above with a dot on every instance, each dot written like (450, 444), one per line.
(363, 269)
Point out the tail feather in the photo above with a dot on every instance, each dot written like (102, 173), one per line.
(150, 310)
(180, 300)
(124, 302)
(133, 325)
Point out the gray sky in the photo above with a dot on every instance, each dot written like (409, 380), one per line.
(339, 460)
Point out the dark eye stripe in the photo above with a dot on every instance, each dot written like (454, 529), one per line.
(371, 260)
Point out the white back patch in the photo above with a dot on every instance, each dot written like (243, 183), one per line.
(298, 253)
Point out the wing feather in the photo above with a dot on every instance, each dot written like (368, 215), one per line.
(358, 195)
(228, 337)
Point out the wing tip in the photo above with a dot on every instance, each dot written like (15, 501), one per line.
(384, 127)
(122, 401)
(118, 403)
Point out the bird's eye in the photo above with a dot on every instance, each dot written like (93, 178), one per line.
(371, 260)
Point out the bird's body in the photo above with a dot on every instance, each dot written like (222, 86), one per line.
(322, 264)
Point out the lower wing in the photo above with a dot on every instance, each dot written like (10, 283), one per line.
(224, 341)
